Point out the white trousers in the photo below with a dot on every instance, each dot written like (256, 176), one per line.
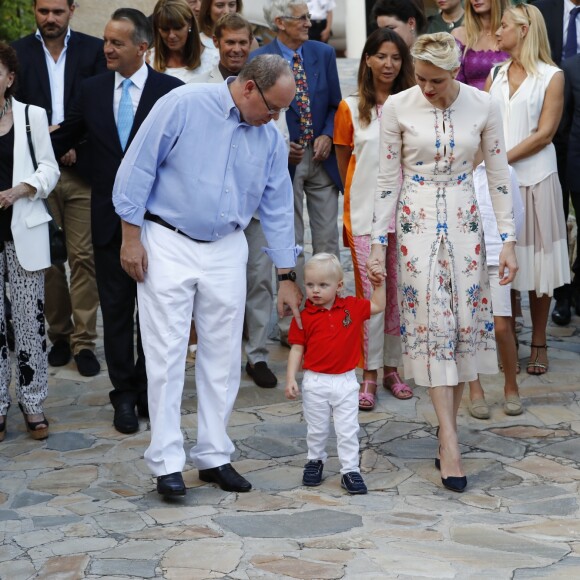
(337, 395)
(211, 278)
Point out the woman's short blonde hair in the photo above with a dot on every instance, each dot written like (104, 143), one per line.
(439, 48)
(328, 263)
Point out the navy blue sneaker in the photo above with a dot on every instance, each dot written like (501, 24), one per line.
(353, 483)
(313, 473)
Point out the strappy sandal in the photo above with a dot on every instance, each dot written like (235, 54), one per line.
(366, 399)
(399, 389)
(535, 365)
(33, 426)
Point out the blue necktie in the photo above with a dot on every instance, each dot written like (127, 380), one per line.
(125, 114)
(571, 47)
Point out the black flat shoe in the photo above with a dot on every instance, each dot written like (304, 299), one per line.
(226, 477)
(60, 354)
(457, 484)
(87, 363)
(125, 420)
(171, 484)
(262, 375)
(33, 426)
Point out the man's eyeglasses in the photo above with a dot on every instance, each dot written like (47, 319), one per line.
(303, 17)
(271, 111)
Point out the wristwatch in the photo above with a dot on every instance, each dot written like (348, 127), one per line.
(288, 276)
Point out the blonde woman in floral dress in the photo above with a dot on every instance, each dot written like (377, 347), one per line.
(435, 130)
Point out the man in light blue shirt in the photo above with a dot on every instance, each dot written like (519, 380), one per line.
(205, 159)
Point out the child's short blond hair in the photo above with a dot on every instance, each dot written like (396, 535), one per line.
(328, 262)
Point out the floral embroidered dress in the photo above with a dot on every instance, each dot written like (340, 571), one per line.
(447, 327)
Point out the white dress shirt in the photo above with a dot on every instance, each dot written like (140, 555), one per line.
(135, 89)
(56, 78)
(319, 8)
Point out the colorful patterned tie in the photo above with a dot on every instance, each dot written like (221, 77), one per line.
(571, 47)
(302, 100)
(125, 114)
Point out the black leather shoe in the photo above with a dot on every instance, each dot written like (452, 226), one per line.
(60, 354)
(457, 484)
(561, 315)
(171, 484)
(262, 375)
(125, 420)
(226, 477)
(87, 363)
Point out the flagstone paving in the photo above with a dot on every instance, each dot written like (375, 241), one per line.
(83, 505)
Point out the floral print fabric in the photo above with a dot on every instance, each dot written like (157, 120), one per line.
(444, 296)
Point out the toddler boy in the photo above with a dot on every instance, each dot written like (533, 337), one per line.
(329, 348)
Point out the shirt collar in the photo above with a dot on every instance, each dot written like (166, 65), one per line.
(288, 53)
(138, 78)
(312, 308)
(66, 38)
(226, 100)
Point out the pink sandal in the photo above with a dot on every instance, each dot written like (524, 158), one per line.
(366, 400)
(399, 389)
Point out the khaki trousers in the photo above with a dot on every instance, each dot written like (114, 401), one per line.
(71, 308)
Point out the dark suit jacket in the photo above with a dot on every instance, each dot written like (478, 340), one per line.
(84, 59)
(553, 13)
(93, 114)
(324, 90)
(571, 120)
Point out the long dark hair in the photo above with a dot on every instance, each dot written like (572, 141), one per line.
(366, 88)
(175, 14)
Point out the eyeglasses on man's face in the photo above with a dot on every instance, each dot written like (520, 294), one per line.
(271, 111)
(302, 17)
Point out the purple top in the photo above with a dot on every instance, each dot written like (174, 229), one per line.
(476, 64)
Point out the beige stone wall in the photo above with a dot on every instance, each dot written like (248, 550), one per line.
(92, 15)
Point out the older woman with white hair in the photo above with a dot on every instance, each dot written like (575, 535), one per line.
(435, 131)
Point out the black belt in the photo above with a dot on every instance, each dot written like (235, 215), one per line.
(156, 219)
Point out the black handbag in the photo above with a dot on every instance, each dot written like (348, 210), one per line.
(56, 234)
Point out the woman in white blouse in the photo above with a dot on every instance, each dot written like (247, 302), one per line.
(28, 173)
(178, 50)
(530, 90)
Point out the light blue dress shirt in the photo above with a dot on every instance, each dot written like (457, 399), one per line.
(288, 53)
(195, 164)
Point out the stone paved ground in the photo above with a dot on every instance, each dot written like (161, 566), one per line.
(82, 504)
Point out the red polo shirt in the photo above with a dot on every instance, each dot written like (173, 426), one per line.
(331, 337)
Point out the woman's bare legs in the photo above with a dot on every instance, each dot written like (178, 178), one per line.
(539, 310)
(446, 401)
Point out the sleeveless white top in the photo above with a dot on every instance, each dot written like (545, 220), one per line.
(521, 115)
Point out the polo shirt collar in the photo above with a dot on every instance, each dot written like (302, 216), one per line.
(338, 303)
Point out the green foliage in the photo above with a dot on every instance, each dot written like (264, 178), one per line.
(16, 19)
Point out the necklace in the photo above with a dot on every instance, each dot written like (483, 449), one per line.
(5, 108)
